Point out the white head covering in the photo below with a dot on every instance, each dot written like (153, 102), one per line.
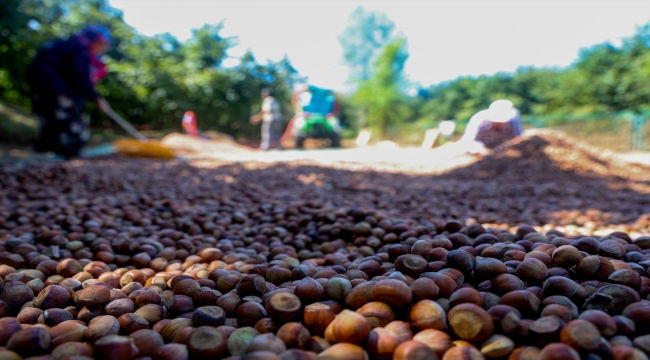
(502, 111)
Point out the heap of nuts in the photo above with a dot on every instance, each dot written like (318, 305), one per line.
(464, 292)
(94, 269)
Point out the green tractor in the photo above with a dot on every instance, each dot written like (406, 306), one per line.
(316, 116)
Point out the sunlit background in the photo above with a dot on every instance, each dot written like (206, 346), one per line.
(446, 39)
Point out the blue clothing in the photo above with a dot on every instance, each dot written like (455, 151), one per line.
(62, 67)
(317, 101)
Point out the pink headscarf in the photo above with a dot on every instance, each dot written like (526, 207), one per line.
(89, 35)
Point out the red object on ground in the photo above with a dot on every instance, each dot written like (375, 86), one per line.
(189, 123)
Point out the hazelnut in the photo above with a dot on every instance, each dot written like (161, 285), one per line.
(381, 343)
(470, 322)
(347, 326)
(171, 352)
(29, 341)
(413, 350)
(428, 314)
(556, 351)
(392, 292)
(497, 346)
(378, 314)
(400, 329)
(283, 307)
(146, 341)
(317, 317)
(240, 339)
(437, 340)
(343, 351)
(130, 323)
(294, 335)
(101, 326)
(67, 331)
(206, 342)
(581, 335)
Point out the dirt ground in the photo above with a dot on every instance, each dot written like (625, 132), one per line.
(385, 157)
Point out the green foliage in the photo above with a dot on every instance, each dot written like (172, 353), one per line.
(381, 95)
(363, 39)
(152, 80)
(605, 78)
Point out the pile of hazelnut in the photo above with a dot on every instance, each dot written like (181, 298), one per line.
(147, 260)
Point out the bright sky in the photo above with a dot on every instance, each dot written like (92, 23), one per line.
(446, 39)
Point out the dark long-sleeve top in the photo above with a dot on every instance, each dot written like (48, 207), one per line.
(62, 67)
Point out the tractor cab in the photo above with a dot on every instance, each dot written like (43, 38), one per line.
(316, 116)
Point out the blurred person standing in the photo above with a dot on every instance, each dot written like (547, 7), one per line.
(62, 77)
(491, 127)
(271, 117)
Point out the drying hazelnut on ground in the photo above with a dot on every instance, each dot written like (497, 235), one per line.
(532, 270)
(152, 313)
(392, 292)
(566, 256)
(147, 341)
(438, 341)
(130, 323)
(603, 321)
(208, 316)
(266, 325)
(171, 352)
(309, 290)
(169, 331)
(424, 288)
(546, 330)
(377, 313)
(414, 350)
(522, 300)
(497, 346)
(360, 295)
(8, 327)
(470, 322)
(581, 335)
(463, 353)
(29, 341)
(294, 335)
(594, 266)
(239, 340)
(102, 326)
(52, 296)
(69, 268)
(66, 331)
(317, 317)
(206, 342)
(267, 343)
(347, 326)
(427, 314)
(381, 343)
(401, 329)
(343, 351)
(283, 307)
(94, 295)
(525, 353)
(558, 351)
(466, 295)
(69, 350)
(411, 265)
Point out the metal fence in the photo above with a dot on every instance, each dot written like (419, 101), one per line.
(618, 131)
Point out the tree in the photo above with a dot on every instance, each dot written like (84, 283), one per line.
(382, 94)
(365, 35)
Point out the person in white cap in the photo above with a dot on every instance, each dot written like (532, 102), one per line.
(491, 127)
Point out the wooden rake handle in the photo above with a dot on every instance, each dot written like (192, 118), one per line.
(125, 125)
